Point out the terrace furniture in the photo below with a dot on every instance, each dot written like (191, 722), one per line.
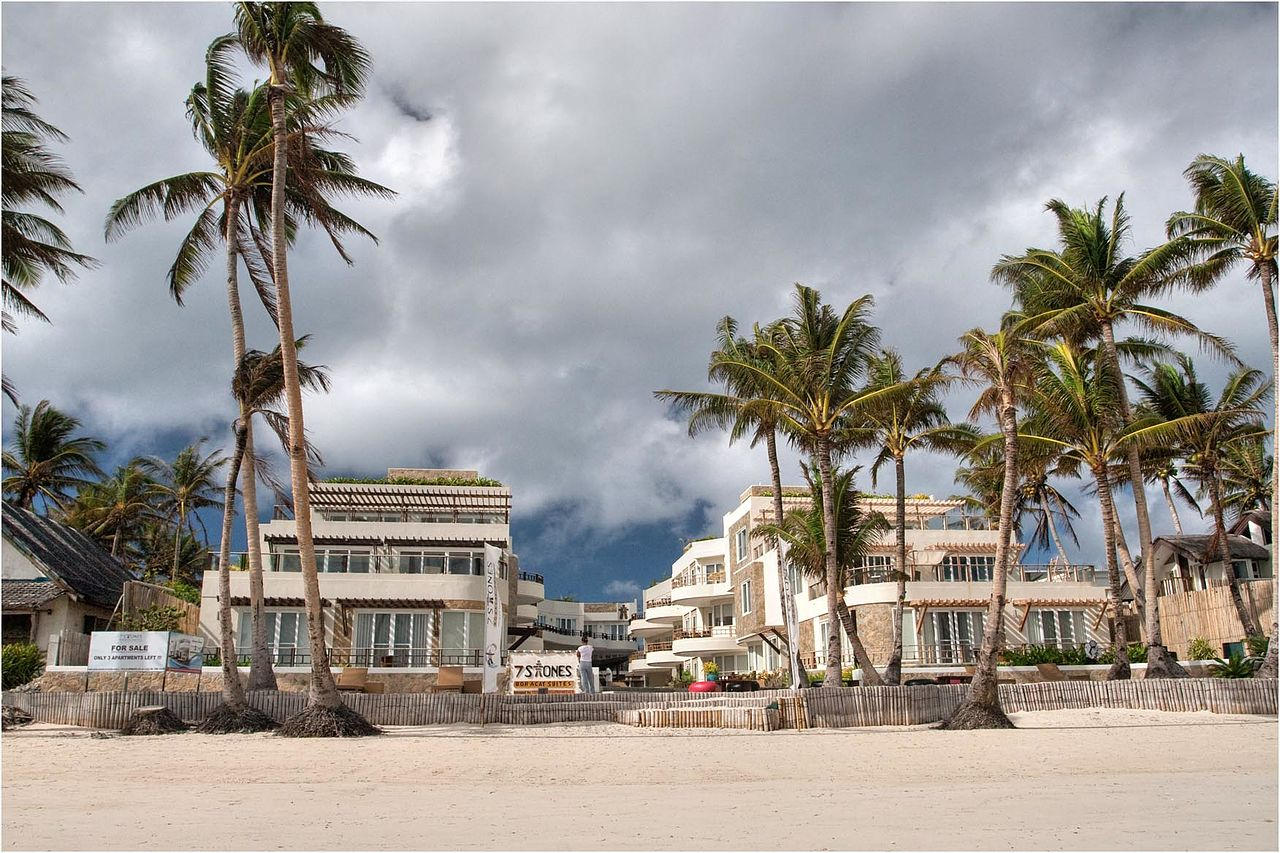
(448, 680)
(742, 686)
(472, 686)
(1050, 672)
(355, 679)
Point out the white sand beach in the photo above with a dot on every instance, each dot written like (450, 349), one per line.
(1182, 781)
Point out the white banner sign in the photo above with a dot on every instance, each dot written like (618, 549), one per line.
(550, 672)
(494, 629)
(145, 651)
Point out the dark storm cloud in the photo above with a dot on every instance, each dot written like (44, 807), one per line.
(597, 185)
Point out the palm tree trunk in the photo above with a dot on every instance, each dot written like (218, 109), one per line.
(893, 672)
(262, 674)
(1173, 510)
(177, 542)
(834, 590)
(1130, 572)
(1160, 664)
(1269, 663)
(1247, 620)
(1053, 534)
(1120, 670)
(232, 690)
(322, 691)
(849, 621)
(115, 543)
(798, 678)
(981, 707)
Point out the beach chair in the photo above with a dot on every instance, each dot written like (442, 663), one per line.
(353, 679)
(449, 680)
(472, 686)
(1050, 672)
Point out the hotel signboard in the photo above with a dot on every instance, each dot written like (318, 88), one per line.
(544, 672)
(145, 651)
(494, 631)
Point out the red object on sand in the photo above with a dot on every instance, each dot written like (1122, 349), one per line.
(704, 687)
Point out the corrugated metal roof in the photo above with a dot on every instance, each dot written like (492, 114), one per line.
(28, 594)
(67, 555)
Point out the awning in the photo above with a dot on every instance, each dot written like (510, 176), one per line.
(292, 538)
(392, 603)
(273, 601)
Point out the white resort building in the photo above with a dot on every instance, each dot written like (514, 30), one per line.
(723, 601)
(401, 566)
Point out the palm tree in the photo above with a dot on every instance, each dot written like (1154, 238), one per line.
(258, 386)
(155, 552)
(185, 486)
(1040, 499)
(745, 409)
(857, 533)
(1234, 223)
(1081, 292)
(1246, 477)
(999, 363)
(1175, 393)
(1161, 466)
(117, 508)
(46, 460)
(306, 55)
(30, 174)
(817, 358)
(912, 418)
(234, 126)
(1074, 408)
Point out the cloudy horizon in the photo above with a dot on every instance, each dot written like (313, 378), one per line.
(584, 190)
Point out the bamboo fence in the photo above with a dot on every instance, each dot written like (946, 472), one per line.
(820, 707)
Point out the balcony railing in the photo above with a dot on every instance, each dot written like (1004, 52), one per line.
(1176, 584)
(380, 657)
(531, 576)
(658, 602)
(579, 632)
(695, 578)
(963, 573)
(462, 562)
(663, 646)
(713, 631)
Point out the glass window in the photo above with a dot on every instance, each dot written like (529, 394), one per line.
(286, 561)
(459, 564)
(433, 564)
(409, 563)
(741, 544)
(745, 591)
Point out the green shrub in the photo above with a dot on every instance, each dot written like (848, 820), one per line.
(1201, 649)
(1032, 655)
(1257, 645)
(155, 618)
(415, 481)
(20, 662)
(1137, 654)
(1234, 667)
(185, 591)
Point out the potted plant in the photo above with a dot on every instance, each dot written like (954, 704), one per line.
(710, 671)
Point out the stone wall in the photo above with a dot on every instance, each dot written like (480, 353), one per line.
(210, 681)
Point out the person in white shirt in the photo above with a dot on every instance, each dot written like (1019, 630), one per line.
(585, 675)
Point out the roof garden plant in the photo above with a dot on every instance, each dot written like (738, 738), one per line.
(414, 481)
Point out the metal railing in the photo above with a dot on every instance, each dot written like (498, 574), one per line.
(695, 578)
(663, 646)
(531, 576)
(658, 602)
(375, 657)
(961, 573)
(698, 633)
(370, 564)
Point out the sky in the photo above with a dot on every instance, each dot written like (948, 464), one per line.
(585, 190)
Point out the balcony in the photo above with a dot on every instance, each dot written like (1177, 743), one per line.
(530, 588)
(659, 655)
(697, 588)
(662, 610)
(717, 640)
(646, 628)
(526, 614)
(369, 657)
(960, 573)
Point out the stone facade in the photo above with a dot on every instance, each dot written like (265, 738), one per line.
(875, 629)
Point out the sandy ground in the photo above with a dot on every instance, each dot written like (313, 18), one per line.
(1182, 781)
